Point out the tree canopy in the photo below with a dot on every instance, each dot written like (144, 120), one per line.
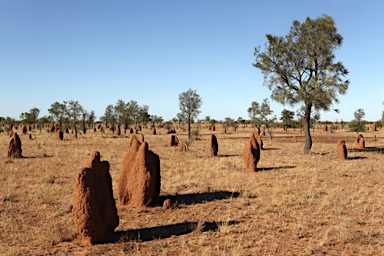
(126, 113)
(357, 125)
(300, 68)
(31, 116)
(287, 117)
(189, 103)
(260, 113)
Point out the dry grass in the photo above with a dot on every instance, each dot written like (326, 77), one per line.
(295, 205)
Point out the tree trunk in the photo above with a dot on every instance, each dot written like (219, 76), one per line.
(307, 132)
(189, 129)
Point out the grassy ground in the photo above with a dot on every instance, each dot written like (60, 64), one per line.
(295, 205)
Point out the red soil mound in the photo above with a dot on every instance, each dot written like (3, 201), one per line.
(341, 150)
(212, 146)
(139, 180)
(174, 141)
(94, 210)
(251, 154)
(14, 148)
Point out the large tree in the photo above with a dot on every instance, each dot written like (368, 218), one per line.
(300, 68)
(189, 103)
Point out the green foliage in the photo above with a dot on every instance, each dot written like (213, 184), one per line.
(189, 104)
(342, 124)
(240, 120)
(130, 113)
(91, 119)
(332, 128)
(30, 117)
(195, 133)
(260, 114)
(126, 113)
(287, 117)
(75, 111)
(58, 112)
(69, 114)
(357, 125)
(168, 125)
(110, 116)
(301, 68)
(230, 122)
(154, 119)
(359, 114)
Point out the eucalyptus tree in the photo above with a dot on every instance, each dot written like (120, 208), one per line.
(59, 112)
(357, 124)
(189, 104)
(287, 117)
(260, 114)
(300, 68)
(75, 112)
(110, 117)
(31, 116)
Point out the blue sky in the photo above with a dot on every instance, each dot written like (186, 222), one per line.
(97, 52)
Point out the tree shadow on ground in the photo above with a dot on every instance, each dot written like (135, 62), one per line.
(275, 168)
(161, 232)
(271, 149)
(198, 198)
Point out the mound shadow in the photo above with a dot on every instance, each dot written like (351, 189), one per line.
(198, 198)
(368, 149)
(356, 157)
(161, 232)
(275, 168)
(31, 157)
(228, 155)
(267, 149)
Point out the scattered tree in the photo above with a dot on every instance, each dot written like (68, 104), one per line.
(110, 117)
(58, 112)
(357, 125)
(91, 119)
(189, 103)
(31, 116)
(260, 114)
(342, 124)
(75, 111)
(287, 117)
(300, 67)
(230, 122)
(240, 120)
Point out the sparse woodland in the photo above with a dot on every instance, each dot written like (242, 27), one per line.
(295, 204)
(233, 190)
